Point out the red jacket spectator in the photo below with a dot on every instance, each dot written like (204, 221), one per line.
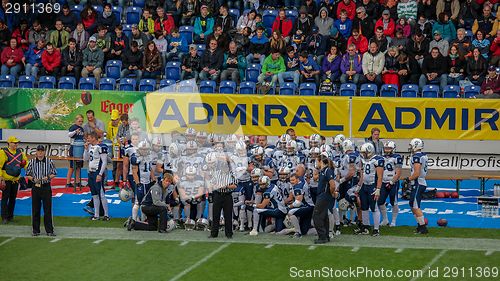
(51, 61)
(286, 26)
(350, 8)
(21, 35)
(391, 27)
(495, 47)
(361, 43)
(16, 55)
(165, 24)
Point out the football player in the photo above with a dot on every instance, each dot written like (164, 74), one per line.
(301, 208)
(190, 134)
(230, 143)
(239, 163)
(280, 150)
(390, 182)
(314, 141)
(191, 191)
(418, 172)
(369, 187)
(128, 151)
(190, 159)
(301, 145)
(272, 205)
(337, 146)
(143, 174)
(348, 174)
(268, 149)
(246, 210)
(284, 183)
(314, 153)
(290, 160)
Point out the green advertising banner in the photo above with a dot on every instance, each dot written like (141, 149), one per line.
(53, 109)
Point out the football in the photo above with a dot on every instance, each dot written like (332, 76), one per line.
(442, 222)
(86, 97)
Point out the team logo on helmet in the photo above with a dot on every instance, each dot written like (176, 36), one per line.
(367, 150)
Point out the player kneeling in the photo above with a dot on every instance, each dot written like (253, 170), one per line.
(301, 209)
(277, 210)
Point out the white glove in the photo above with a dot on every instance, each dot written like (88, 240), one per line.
(342, 180)
(376, 192)
(357, 188)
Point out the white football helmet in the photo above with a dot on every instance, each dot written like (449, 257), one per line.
(347, 145)
(190, 134)
(190, 172)
(191, 147)
(416, 145)
(264, 182)
(126, 194)
(314, 152)
(211, 158)
(288, 223)
(389, 147)
(284, 173)
(314, 140)
(283, 140)
(189, 224)
(338, 140)
(241, 148)
(343, 204)
(256, 174)
(201, 137)
(291, 147)
(202, 224)
(170, 225)
(143, 148)
(173, 149)
(258, 152)
(367, 150)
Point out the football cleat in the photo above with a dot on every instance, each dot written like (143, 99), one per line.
(253, 232)
(375, 233)
(363, 230)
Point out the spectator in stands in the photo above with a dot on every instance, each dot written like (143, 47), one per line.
(224, 20)
(476, 67)
(242, 40)
(364, 23)
(359, 41)
(481, 43)
(373, 65)
(4, 35)
(316, 45)
(191, 64)
(408, 9)
(418, 47)
(132, 62)
(89, 19)
(72, 60)
(162, 46)
(380, 39)
(291, 61)
(324, 22)
(259, 46)
(449, 7)
(93, 60)
(36, 33)
(445, 27)
(273, 65)
(59, 37)
(351, 66)
(211, 62)
(495, 50)
(118, 43)
(234, 64)
(283, 24)
(312, 9)
(259, 23)
(203, 25)
(328, 4)
(348, 6)
(277, 42)
(147, 24)
(178, 45)
(221, 37)
(425, 26)
(330, 67)
(33, 58)
(456, 66)
(439, 43)
(103, 40)
(427, 8)
(391, 67)
(409, 70)
(290, 4)
(399, 40)
(151, 61)
(491, 84)
(388, 25)
(309, 69)
(188, 11)
(68, 19)
(468, 13)
(434, 69)
(164, 22)
(247, 20)
(485, 22)
(303, 23)
(21, 34)
(12, 59)
(81, 36)
(462, 43)
(343, 25)
(107, 18)
(404, 26)
(139, 37)
(51, 61)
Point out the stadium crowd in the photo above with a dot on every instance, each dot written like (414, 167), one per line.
(443, 42)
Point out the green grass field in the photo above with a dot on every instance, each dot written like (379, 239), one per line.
(105, 251)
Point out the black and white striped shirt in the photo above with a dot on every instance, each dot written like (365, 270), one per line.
(39, 169)
(221, 180)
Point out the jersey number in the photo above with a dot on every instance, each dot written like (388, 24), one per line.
(367, 169)
(389, 167)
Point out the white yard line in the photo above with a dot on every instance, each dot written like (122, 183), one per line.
(355, 249)
(312, 247)
(55, 240)
(431, 263)
(184, 243)
(269, 246)
(140, 242)
(489, 253)
(7, 241)
(98, 241)
(200, 262)
(398, 250)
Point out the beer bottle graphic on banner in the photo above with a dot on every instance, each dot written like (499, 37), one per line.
(19, 120)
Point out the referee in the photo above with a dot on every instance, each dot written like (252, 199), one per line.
(40, 171)
(223, 183)
(325, 199)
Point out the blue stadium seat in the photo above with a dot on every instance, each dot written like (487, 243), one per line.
(98, 9)
(227, 87)
(127, 84)
(113, 68)
(409, 91)
(147, 85)
(26, 82)
(186, 31)
(187, 86)
(307, 89)
(268, 17)
(108, 84)
(348, 90)
(252, 73)
(368, 90)
(117, 11)
(471, 90)
(292, 14)
(165, 83)
(201, 49)
(207, 86)
(430, 91)
(389, 90)
(247, 87)
(173, 70)
(7, 81)
(67, 82)
(127, 30)
(235, 14)
(133, 15)
(47, 82)
(139, 3)
(76, 9)
(86, 83)
(288, 89)
(451, 91)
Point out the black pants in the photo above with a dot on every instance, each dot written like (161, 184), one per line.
(41, 195)
(222, 202)
(320, 215)
(152, 213)
(9, 199)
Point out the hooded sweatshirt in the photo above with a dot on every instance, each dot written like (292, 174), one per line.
(324, 25)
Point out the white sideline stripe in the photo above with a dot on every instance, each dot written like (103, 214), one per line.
(269, 246)
(98, 241)
(184, 243)
(311, 247)
(398, 250)
(55, 240)
(140, 242)
(200, 262)
(489, 253)
(355, 249)
(7, 241)
(428, 266)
